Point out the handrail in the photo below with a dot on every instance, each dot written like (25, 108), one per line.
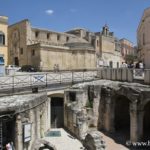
(45, 79)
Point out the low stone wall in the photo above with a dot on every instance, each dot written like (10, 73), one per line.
(116, 74)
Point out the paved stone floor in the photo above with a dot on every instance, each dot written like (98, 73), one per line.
(112, 145)
(65, 141)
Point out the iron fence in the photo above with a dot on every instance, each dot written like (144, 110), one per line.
(45, 79)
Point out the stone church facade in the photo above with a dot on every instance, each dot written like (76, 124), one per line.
(45, 49)
(75, 49)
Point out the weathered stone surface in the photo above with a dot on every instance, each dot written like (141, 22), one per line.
(94, 141)
(19, 103)
(39, 144)
(28, 109)
(133, 99)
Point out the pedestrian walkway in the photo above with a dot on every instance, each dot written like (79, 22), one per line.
(64, 141)
(112, 145)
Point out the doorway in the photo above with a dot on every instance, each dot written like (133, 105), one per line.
(122, 119)
(146, 122)
(57, 112)
(16, 61)
(8, 131)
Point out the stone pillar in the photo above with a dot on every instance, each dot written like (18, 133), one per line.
(109, 113)
(140, 124)
(38, 123)
(33, 131)
(48, 113)
(136, 122)
(96, 102)
(109, 125)
(19, 135)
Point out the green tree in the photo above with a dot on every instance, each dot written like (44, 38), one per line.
(130, 58)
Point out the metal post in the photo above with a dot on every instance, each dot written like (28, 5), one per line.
(30, 80)
(1, 135)
(72, 76)
(46, 79)
(60, 77)
(83, 75)
(13, 84)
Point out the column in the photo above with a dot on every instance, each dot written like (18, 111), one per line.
(140, 114)
(19, 135)
(136, 122)
(37, 122)
(48, 123)
(109, 114)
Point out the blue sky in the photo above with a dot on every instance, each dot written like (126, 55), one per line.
(122, 16)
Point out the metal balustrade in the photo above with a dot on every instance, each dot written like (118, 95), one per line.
(45, 79)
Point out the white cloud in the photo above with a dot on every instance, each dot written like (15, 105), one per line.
(49, 12)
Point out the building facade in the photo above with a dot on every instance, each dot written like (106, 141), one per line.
(127, 49)
(3, 40)
(110, 49)
(106, 45)
(143, 38)
(77, 48)
(46, 49)
(3, 44)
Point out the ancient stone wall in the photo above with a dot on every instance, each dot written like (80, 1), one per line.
(113, 107)
(28, 110)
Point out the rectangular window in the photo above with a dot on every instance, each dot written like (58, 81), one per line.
(143, 39)
(36, 34)
(2, 39)
(33, 52)
(58, 37)
(21, 51)
(97, 43)
(72, 96)
(67, 38)
(48, 36)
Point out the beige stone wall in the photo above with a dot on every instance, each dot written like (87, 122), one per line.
(39, 125)
(18, 34)
(23, 36)
(108, 44)
(35, 59)
(143, 38)
(109, 54)
(47, 36)
(127, 48)
(4, 48)
(65, 58)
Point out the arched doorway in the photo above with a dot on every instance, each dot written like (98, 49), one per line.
(122, 118)
(146, 122)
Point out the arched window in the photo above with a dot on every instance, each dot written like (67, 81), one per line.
(2, 38)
